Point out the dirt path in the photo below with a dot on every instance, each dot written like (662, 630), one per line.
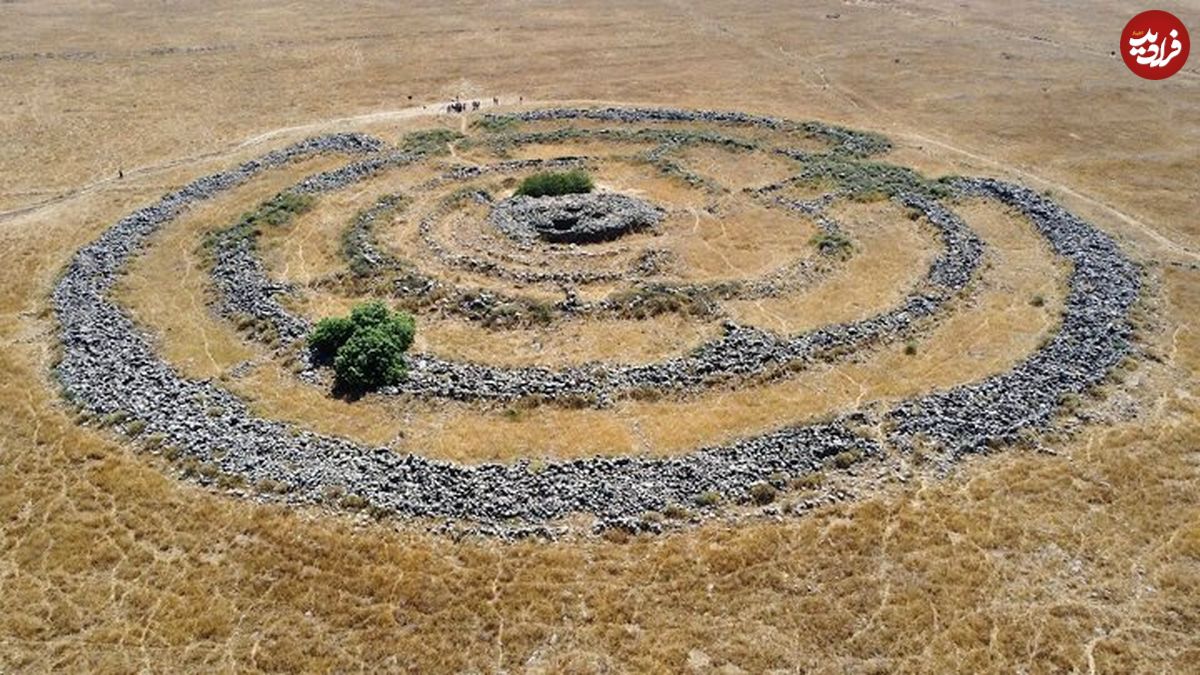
(259, 139)
(1159, 238)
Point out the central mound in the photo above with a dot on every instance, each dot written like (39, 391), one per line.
(573, 218)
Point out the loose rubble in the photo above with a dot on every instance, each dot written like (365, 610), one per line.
(741, 351)
(1095, 335)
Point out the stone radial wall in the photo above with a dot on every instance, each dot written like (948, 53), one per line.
(628, 256)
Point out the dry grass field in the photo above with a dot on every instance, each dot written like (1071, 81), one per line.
(1079, 553)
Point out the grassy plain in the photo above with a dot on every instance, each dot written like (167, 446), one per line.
(1082, 557)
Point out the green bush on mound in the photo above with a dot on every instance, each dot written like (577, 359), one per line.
(367, 348)
(551, 183)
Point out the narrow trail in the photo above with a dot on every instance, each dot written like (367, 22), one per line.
(149, 170)
(1159, 238)
(715, 250)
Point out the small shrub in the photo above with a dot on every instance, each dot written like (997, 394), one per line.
(1070, 403)
(651, 518)
(809, 481)
(281, 208)
(709, 498)
(646, 394)
(1037, 301)
(651, 300)
(329, 335)
(550, 183)
(270, 486)
(676, 512)
(762, 493)
(846, 458)
(910, 348)
(429, 141)
(135, 428)
(833, 244)
(371, 358)
(496, 123)
(278, 210)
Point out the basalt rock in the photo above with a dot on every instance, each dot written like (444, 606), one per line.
(574, 218)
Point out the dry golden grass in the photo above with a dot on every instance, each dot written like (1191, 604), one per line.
(572, 342)
(739, 170)
(309, 248)
(1086, 560)
(891, 255)
(741, 241)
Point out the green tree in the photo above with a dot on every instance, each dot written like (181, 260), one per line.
(371, 358)
(367, 348)
(329, 335)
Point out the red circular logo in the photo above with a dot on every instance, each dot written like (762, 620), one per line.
(1155, 44)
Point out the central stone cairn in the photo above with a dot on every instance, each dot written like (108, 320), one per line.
(573, 218)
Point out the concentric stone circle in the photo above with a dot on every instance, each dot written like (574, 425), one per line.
(109, 368)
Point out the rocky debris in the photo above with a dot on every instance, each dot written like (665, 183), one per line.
(336, 179)
(365, 259)
(244, 290)
(846, 141)
(109, 369)
(1094, 336)
(359, 244)
(575, 218)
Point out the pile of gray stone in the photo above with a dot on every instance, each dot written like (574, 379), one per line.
(365, 258)
(843, 140)
(1094, 336)
(741, 351)
(244, 290)
(575, 218)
